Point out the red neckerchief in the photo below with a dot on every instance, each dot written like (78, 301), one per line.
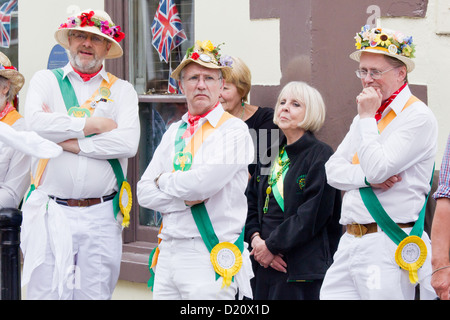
(193, 122)
(9, 107)
(387, 103)
(85, 76)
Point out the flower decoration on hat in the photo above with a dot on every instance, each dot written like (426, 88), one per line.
(205, 51)
(2, 67)
(395, 43)
(87, 19)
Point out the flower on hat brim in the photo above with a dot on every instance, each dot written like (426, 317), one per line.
(87, 19)
(383, 40)
(205, 45)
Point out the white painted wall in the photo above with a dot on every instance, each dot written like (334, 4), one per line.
(257, 42)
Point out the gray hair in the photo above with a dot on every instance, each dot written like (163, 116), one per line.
(396, 63)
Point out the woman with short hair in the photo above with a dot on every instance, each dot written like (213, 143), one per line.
(293, 213)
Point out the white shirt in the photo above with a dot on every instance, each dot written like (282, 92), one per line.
(88, 174)
(407, 147)
(219, 175)
(14, 172)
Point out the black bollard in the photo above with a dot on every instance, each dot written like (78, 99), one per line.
(10, 221)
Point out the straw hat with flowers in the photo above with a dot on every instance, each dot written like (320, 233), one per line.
(207, 55)
(384, 41)
(97, 22)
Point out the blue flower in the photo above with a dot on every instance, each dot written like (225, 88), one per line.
(365, 28)
(408, 40)
(226, 61)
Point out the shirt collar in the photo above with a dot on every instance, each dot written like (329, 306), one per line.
(69, 69)
(399, 102)
(213, 117)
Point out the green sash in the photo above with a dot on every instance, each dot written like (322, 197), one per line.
(411, 252)
(392, 230)
(279, 184)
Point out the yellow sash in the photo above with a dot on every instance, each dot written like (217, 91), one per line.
(383, 123)
(201, 135)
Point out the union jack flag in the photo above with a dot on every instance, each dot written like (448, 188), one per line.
(5, 22)
(167, 29)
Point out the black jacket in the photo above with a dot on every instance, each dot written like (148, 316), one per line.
(310, 231)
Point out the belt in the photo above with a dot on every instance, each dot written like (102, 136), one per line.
(359, 230)
(83, 202)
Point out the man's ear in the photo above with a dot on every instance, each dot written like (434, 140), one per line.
(403, 73)
(180, 85)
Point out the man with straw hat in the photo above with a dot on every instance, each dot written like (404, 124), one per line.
(200, 191)
(384, 165)
(71, 235)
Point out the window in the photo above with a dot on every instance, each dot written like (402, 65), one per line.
(148, 73)
(156, 117)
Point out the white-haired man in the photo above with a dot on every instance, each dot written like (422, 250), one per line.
(201, 193)
(384, 164)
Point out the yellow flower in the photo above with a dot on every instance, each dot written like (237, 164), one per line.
(205, 45)
(407, 50)
(358, 42)
(382, 39)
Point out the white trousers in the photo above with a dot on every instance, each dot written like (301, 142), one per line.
(184, 272)
(365, 269)
(97, 252)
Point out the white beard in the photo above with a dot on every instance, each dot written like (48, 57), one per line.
(86, 68)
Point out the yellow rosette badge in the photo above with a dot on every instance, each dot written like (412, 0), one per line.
(226, 259)
(410, 255)
(125, 202)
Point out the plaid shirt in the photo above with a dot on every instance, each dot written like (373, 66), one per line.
(443, 190)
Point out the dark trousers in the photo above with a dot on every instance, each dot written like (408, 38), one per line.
(270, 284)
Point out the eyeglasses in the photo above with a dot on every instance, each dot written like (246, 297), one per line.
(81, 36)
(374, 74)
(208, 80)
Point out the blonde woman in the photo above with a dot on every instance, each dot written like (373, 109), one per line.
(292, 222)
